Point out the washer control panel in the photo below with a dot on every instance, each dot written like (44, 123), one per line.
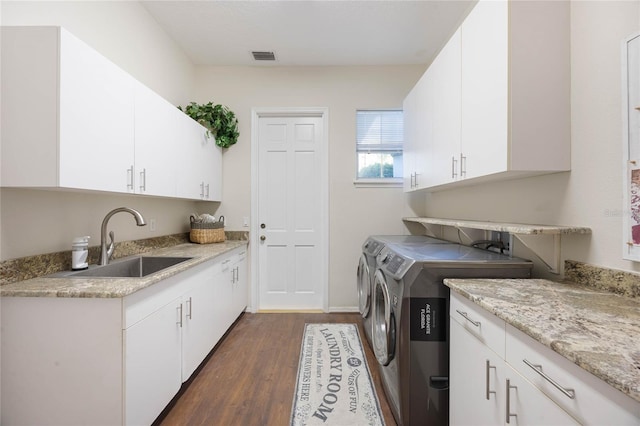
(393, 264)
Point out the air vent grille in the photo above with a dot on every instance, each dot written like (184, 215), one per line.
(263, 56)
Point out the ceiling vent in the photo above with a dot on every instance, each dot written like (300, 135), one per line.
(264, 56)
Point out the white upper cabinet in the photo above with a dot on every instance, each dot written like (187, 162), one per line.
(156, 143)
(485, 76)
(201, 179)
(498, 102)
(67, 115)
(443, 115)
(516, 88)
(73, 119)
(413, 155)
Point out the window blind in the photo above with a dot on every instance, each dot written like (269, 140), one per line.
(379, 130)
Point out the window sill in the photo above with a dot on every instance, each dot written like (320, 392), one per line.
(378, 183)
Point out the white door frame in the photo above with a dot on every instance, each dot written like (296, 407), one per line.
(256, 114)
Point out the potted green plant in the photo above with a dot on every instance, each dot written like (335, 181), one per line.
(219, 120)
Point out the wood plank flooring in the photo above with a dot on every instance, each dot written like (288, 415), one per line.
(249, 378)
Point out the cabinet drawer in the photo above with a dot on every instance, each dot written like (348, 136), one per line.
(479, 322)
(594, 402)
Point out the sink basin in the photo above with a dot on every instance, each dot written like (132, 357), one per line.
(139, 266)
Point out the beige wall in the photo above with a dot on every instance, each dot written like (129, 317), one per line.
(354, 212)
(591, 194)
(35, 222)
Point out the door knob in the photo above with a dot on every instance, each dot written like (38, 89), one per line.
(262, 225)
(262, 238)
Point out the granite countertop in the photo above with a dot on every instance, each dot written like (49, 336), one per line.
(92, 287)
(514, 228)
(596, 330)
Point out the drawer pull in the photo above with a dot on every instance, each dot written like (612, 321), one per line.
(465, 316)
(179, 309)
(488, 388)
(508, 404)
(570, 393)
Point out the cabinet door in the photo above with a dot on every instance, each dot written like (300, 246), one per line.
(225, 302)
(476, 389)
(527, 405)
(240, 287)
(156, 143)
(484, 95)
(444, 144)
(96, 119)
(199, 331)
(424, 130)
(192, 159)
(152, 364)
(411, 123)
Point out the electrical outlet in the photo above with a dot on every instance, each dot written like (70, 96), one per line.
(152, 225)
(245, 222)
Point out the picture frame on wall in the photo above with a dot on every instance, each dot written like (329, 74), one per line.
(631, 147)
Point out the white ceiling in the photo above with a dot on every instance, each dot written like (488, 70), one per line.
(310, 32)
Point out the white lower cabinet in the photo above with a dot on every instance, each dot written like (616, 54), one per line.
(152, 364)
(239, 282)
(201, 318)
(477, 396)
(93, 361)
(490, 384)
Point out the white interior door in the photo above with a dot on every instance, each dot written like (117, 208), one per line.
(291, 212)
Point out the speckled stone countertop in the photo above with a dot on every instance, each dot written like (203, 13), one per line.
(514, 228)
(597, 330)
(118, 287)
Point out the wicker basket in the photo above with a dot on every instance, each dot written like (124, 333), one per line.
(205, 233)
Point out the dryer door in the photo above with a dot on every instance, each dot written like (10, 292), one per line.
(384, 327)
(364, 287)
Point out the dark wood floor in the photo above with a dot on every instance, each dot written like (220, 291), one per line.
(250, 376)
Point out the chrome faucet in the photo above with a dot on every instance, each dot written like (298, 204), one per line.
(106, 253)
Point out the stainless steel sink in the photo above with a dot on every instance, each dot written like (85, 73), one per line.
(139, 266)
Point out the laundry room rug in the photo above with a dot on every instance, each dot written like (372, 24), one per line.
(334, 386)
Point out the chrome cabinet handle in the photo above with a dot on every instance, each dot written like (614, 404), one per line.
(130, 178)
(415, 179)
(207, 196)
(466, 316)
(143, 180)
(179, 308)
(488, 389)
(454, 167)
(463, 166)
(201, 189)
(569, 393)
(412, 178)
(508, 404)
(189, 304)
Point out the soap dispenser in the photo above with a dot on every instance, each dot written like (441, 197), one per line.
(79, 253)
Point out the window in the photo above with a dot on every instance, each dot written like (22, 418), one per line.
(379, 137)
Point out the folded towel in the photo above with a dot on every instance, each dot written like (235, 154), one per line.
(203, 218)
